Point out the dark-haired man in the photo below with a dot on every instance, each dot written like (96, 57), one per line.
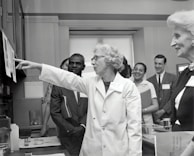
(69, 109)
(164, 83)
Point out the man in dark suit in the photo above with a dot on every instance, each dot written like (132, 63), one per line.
(69, 109)
(164, 84)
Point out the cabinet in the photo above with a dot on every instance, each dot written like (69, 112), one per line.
(12, 19)
(6, 83)
(6, 101)
(6, 98)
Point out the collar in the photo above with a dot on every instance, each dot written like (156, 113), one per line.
(191, 66)
(161, 75)
(115, 85)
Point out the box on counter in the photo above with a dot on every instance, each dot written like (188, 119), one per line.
(172, 143)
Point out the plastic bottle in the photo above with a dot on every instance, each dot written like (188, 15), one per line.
(14, 137)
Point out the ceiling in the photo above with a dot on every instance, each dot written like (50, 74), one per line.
(105, 9)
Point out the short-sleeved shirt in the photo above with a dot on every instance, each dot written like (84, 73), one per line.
(143, 87)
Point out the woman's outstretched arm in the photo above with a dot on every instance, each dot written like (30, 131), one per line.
(25, 64)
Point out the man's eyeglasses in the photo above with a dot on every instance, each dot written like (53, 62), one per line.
(96, 57)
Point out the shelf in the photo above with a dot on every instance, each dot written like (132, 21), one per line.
(32, 127)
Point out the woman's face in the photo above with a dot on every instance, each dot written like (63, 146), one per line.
(65, 65)
(98, 62)
(182, 42)
(138, 72)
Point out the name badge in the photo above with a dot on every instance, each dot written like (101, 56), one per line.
(190, 83)
(165, 86)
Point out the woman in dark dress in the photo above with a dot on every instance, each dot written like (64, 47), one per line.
(182, 23)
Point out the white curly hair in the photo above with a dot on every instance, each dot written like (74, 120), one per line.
(112, 56)
(183, 19)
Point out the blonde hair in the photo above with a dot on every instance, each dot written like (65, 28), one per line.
(183, 19)
(112, 56)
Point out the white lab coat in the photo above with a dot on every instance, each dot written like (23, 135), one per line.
(113, 125)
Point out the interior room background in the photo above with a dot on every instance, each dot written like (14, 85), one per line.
(53, 27)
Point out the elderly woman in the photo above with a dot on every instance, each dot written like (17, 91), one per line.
(114, 111)
(147, 91)
(183, 98)
(182, 23)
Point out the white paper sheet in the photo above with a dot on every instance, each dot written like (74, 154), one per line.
(11, 62)
(40, 142)
(6, 55)
(9, 55)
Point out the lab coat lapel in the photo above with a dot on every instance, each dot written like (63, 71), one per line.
(115, 86)
(100, 87)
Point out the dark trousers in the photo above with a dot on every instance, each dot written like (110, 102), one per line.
(72, 144)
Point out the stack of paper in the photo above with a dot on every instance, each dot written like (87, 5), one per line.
(172, 143)
(39, 142)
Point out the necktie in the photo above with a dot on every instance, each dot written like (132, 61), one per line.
(78, 97)
(159, 88)
(159, 81)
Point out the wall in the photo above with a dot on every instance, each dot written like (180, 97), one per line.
(157, 41)
(42, 44)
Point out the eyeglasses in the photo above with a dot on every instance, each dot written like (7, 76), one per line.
(95, 57)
